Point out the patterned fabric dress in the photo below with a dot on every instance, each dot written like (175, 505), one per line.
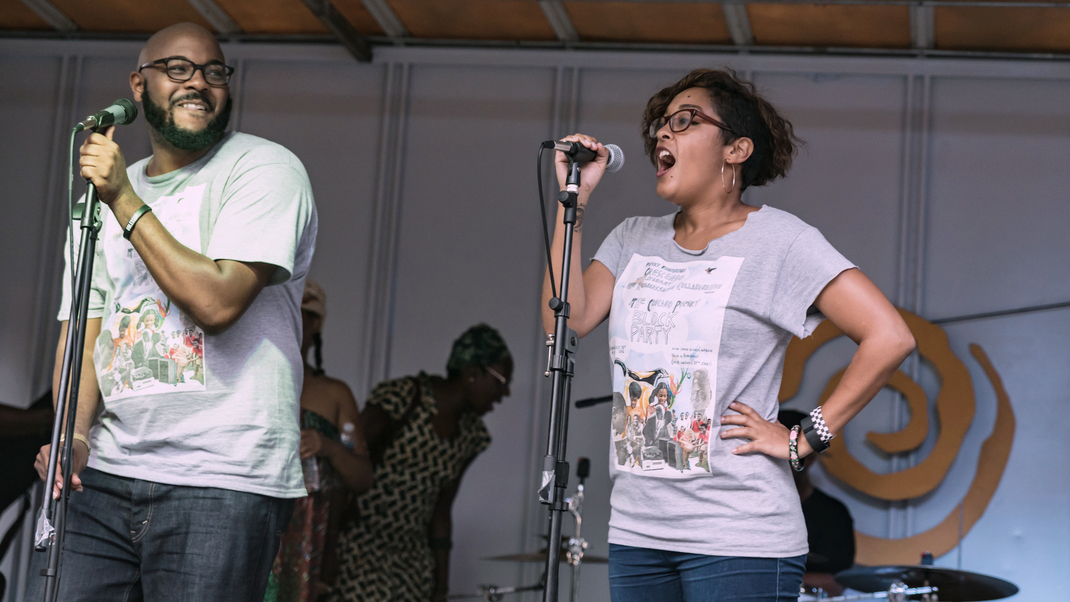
(295, 576)
(386, 555)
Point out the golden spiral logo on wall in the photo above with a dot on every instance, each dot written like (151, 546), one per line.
(955, 405)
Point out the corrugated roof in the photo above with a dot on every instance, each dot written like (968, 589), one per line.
(1027, 27)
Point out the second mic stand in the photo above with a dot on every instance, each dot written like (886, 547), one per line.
(562, 367)
(577, 544)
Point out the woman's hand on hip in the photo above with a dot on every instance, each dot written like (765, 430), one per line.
(769, 438)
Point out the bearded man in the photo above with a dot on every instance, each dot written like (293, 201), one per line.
(184, 477)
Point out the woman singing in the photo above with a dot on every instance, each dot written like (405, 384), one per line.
(705, 299)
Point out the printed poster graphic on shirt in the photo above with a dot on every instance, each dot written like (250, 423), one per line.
(664, 335)
(146, 345)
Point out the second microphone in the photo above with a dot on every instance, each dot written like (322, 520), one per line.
(581, 154)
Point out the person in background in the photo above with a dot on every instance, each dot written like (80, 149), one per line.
(830, 530)
(422, 432)
(335, 458)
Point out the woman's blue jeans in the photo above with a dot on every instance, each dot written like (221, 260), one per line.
(647, 575)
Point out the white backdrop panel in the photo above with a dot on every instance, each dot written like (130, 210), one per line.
(998, 193)
(31, 92)
(1024, 535)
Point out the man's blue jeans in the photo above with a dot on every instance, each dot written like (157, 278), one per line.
(647, 575)
(132, 540)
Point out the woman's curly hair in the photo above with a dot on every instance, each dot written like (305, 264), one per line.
(746, 114)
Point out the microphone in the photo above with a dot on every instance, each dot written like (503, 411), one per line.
(581, 154)
(593, 401)
(121, 112)
(583, 469)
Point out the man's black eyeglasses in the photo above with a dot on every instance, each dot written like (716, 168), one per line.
(180, 70)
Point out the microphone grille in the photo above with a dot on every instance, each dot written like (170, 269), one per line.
(616, 158)
(129, 109)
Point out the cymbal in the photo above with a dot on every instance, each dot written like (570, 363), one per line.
(961, 586)
(540, 556)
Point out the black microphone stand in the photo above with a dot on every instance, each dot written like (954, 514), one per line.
(54, 512)
(561, 367)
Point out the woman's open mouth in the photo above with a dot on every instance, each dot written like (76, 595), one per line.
(665, 161)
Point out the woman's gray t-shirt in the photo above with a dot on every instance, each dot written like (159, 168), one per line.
(690, 332)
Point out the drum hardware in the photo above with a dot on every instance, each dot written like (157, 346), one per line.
(898, 592)
(493, 593)
(809, 594)
(572, 550)
(950, 584)
(540, 556)
(577, 544)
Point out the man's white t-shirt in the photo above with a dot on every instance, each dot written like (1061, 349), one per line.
(181, 406)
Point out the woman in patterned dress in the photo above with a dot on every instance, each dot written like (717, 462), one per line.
(427, 429)
(306, 565)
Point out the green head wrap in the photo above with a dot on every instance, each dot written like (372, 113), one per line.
(480, 345)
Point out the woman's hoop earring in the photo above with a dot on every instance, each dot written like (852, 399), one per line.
(726, 189)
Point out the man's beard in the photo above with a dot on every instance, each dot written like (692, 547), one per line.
(182, 138)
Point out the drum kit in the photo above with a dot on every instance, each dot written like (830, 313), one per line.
(929, 583)
(893, 583)
(573, 551)
(923, 582)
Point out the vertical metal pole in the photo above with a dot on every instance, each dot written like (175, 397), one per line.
(562, 366)
(54, 513)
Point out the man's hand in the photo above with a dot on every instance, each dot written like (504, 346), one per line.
(79, 452)
(102, 162)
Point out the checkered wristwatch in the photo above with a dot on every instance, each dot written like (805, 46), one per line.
(815, 430)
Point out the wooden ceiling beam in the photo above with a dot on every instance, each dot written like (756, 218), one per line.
(735, 16)
(386, 18)
(558, 17)
(951, 3)
(343, 30)
(215, 15)
(922, 27)
(52, 15)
